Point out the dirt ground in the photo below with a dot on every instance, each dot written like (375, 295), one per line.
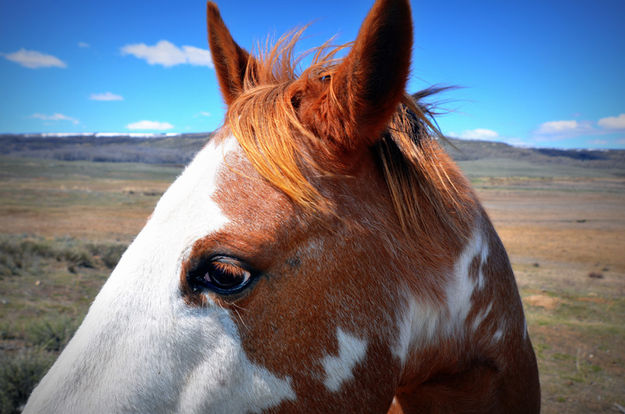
(565, 237)
(566, 241)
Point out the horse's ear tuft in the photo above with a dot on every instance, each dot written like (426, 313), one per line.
(369, 84)
(229, 58)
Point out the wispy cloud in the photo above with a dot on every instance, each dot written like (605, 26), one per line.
(156, 125)
(167, 54)
(55, 117)
(198, 57)
(33, 60)
(479, 133)
(554, 130)
(612, 122)
(557, 127)
(204, 113)
(107, 96)
(83, 45)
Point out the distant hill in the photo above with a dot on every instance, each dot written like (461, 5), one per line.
(180, 149)
(469, 150)
(144, 148)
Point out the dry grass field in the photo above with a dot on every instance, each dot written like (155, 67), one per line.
(64, 224)
(566, 241)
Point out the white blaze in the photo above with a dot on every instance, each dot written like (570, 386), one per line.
(140, 347)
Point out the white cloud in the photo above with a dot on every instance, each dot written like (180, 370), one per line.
(83, 45)
(198, 57)
(557, 127)
(150, 125)
(54, 117)
(167, 54)
(204, 113)
(32, 59)
(565, 129)
(613, 122)
(107, 96)
(479, 133)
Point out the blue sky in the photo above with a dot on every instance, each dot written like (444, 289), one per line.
(540, 73)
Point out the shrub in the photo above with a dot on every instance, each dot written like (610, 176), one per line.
(108, 253)
(51, 334)
(21, 255)
(8, 267)
(77, 256)
(19, 374)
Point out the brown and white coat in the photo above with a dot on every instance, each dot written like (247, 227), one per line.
(320, 254)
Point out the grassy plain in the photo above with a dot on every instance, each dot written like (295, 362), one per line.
(564, 229)
(64, 224)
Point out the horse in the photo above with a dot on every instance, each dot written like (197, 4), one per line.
(321, 253)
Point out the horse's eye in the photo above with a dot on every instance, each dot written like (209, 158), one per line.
(226, 275)
(221, 274)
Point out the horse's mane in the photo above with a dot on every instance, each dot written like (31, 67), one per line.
(426, 187)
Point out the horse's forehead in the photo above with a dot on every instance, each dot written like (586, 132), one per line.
(260, 218)
(244, 195)
(220, 176)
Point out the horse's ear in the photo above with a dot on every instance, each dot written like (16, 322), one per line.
(369, 84)
(229, 58)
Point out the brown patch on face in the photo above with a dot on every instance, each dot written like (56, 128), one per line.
(319, 273)
(397, 222)
(313, 277)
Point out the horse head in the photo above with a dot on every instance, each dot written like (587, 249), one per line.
(320, 254)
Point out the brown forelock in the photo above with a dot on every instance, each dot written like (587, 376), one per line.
(429, 193)
(433, 200)
(335, 105)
